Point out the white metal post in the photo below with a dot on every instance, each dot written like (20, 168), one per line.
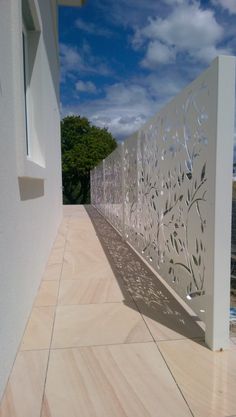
(104, 186)
(123, 188)
(218, 282)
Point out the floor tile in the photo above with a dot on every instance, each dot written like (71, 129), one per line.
(98, 324)
(52, 272)
(56, 256)
(80, 223)
(24, 392)
(169, 321)
(111, 381)
(83, 262)
(47, 294)
(63, 228)
(39, 329)
(59, 242)
(89, 291)
(207, 379)
(73, 210)
(82, 238)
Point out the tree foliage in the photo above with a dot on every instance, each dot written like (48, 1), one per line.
(83, 147)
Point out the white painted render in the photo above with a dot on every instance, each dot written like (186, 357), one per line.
(31, 201)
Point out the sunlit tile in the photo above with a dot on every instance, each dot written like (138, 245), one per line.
(52, 272)
(111, 381)
(56, 256)
(39, 329)
(89, 290)
(47, 294)
(207, 379)
(24, 392)
(98, 324)
(86, 262)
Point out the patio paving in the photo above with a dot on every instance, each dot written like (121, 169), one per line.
(106, 339)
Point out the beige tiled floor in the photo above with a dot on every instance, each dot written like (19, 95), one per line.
(111, 381)
(47, 294)
(207, 379)
(24, 393)
(98, 324)
(169, 321)
(52, 272)
(87, 290)
(89, 350)
(39, 329)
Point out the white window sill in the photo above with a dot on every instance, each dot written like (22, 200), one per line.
(32, 170)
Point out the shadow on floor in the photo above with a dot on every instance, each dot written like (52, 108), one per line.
(137, 282)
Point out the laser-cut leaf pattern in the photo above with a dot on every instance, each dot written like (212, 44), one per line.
(165, 191)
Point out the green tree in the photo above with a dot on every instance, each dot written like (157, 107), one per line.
(83, 147)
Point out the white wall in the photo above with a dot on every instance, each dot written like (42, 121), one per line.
(30, 209)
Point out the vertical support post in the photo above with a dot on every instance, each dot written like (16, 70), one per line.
(138, 175)
(218, 281)
(123, 189)
(91, 191)
(95, 188)
(104, 185)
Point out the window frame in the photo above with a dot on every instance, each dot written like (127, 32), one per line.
(26, 86)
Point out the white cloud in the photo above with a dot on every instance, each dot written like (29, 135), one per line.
(123, 110)
(125, 107)
(229, 5)
(210, 52)
(157, 53)
(92, 29)
(86, 87)
(187, 29)
(70, 60)
(128, 13)
(174, 2)
(75, 61)
(164, 87)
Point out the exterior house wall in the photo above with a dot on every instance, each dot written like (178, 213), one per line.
(31, 202)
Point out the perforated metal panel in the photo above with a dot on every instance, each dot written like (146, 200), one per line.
(177, 194)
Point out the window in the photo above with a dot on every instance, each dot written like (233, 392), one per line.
(26, 87)
(31, 87)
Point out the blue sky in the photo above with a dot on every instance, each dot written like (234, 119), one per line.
(122, 60)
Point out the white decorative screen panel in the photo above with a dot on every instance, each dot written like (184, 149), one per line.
(131, 190)
(177, 194)
(93, 187)
(98, 194)
(113, 188)
(171, 194)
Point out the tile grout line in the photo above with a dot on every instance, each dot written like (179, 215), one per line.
(107, 252)
(123, 281)
(174, 379)
(163, 358)
(54, 318)
(92, 304)
(111, 344)
(167, 366)
(19, 350)
(181, 393)
(92, 346)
